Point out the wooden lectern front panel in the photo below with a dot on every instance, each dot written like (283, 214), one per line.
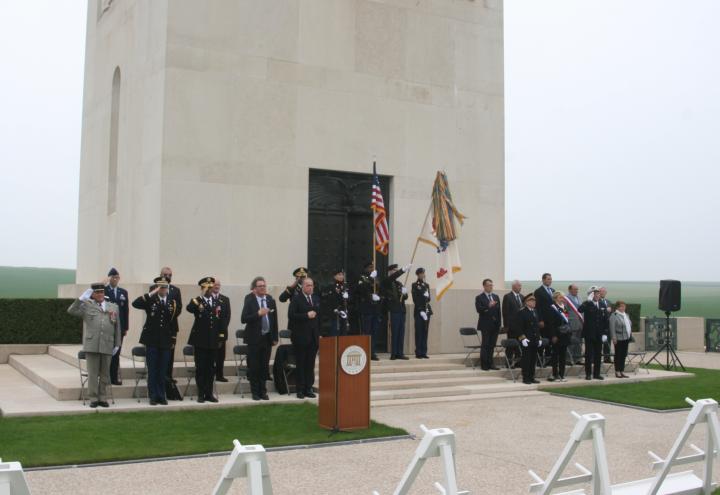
(327, 402)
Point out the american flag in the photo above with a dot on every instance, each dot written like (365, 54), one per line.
(377, 205)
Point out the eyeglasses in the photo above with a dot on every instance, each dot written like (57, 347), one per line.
(260, 286)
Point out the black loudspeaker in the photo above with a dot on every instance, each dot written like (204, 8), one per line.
(669, 299)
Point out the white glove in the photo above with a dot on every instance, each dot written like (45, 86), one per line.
(604, 338)
(375, 297)
(404, 290)
(115, 350)
(427, 294)
(343, 314)
(373, 274)
(86, 295)
(539, 343)
(423, 315)
(525, 342)
(345, 295)
(407, 267)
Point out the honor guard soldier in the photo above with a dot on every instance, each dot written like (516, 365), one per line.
(157, 336)
(224, 302)
(100, 340)
(369, 303)
(421, 313)
(205, 337)
(337, 295)
(395, 294)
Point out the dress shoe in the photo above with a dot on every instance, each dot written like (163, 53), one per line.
(94, 404)
(374, 357)
(618, 375)
(598, 378)
(163, 402)
(536, 381)
(153, 402)
(494, 368)
(623, 375)
(300, 395)
(116, 382)
(221, 379)
(103, 403)
(587, 377)
(392, 358)
(211, 398)
(425, 356)
(527, 382)
(403, 357)
(201, 399)
(551, 379)
(265, 397)
(310, 395)
(255, 397)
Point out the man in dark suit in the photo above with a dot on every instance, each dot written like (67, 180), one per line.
(593, 333)
(544, 302)
(395, 295)
(259, 314)
(156, 336)
(206, 338)
(223, 302)
(174, 295)
(512, 303)
(605, 311)
(305, 334)
(487, 305)
(116, 294)
(529, 327)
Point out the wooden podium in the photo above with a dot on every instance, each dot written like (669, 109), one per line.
(345, 382)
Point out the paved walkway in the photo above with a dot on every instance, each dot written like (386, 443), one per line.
(497, 442)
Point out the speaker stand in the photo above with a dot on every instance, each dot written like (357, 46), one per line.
(668, 348)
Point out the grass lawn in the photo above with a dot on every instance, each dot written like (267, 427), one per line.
(28, 282)
(86, 438)
(657, 394)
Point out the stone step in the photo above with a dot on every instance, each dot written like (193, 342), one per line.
(62, 380)
(424, 375)
(416, 383)
(456, 398)
(455, 390)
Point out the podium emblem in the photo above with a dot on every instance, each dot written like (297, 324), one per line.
(353, 360)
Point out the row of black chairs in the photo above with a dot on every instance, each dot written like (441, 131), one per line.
(472, 342)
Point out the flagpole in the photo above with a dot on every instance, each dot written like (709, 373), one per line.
(417, 241)
(374, 251)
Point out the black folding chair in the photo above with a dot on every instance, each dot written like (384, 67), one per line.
(82, 357)
(241, 368)
(139, 363)
(511, 361)
(289, 367)
(471, 342)
(239, 337)
(188, 352)
(637, 356)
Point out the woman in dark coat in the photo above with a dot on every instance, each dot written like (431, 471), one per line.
(559, 332)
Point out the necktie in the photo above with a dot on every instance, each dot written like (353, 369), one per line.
(265, 324)
(517, 298)
(309, 300)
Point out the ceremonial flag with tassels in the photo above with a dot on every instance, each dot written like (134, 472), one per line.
(382, 233)
(440, 232)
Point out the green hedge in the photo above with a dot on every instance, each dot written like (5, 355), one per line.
(38, 321)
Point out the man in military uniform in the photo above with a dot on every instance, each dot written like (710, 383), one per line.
(206, 338)
(174, 295)
(421, 313)
(157, 336)
(224, 302)
(336, 295)
(295, 288)
(369, 304)
(395, 294)
(100, 340)
(530, 339)
(119, 296)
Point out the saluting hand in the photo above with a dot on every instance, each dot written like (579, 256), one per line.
(155, 291)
